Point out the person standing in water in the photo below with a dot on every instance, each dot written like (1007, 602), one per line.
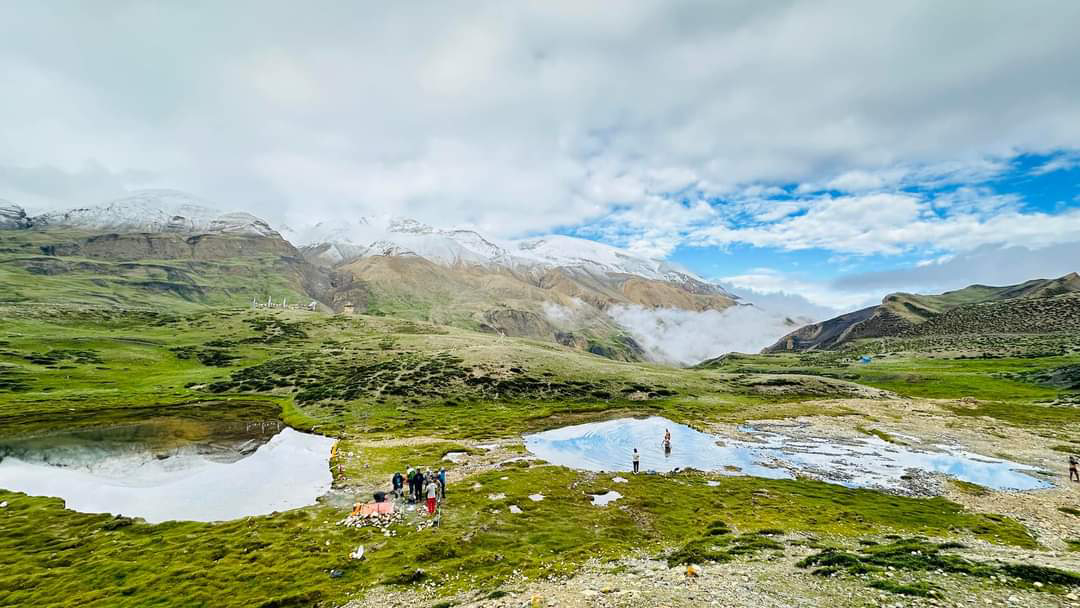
(1074, 475)
(667, 441)
(637, 460)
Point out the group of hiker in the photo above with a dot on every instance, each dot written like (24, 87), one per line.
(666, 444)
(429, 487)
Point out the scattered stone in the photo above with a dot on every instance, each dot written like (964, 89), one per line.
(498, 496)
(536, 497)
(515, 509)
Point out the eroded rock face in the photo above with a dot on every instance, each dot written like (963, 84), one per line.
(12, 216)
(168, 246)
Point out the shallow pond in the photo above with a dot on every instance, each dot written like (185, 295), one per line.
(869, 462)
(166, 468)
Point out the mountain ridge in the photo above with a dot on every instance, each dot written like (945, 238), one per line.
(1035, 306)
(554, 288)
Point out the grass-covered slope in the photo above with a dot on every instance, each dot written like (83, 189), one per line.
(1034, 307)
(379, 379)
(58, 267)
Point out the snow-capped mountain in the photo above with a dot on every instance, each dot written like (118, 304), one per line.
(157, 211)
(570, 252)
(12, 216)
(402, 237)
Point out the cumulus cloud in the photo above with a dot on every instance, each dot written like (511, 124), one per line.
(685, 337)
(519, 118)
(823, 298)
(892, 223)
(986, 265)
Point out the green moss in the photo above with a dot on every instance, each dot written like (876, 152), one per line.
(918, 589)
(971, 489)
(274, 558)
(920, 555)
(880, 434)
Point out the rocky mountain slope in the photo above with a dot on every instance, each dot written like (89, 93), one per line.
(12, 216)
(555, 288)
(158, 247)
(1037, 306)
(157, 211)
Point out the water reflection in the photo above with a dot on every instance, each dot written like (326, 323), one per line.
(869, 462)
(609, 446)
(173, 469)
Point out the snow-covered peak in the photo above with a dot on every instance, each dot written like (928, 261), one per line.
(158, 211)
(408, 226)
(12, 216)
(402, 236)
(567, 251)
(341, 231)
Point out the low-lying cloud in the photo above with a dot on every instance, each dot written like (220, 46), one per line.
(685, 337)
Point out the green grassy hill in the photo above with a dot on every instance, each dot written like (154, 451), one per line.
(56, 267)
(1035, 307)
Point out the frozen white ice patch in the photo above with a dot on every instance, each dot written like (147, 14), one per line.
(684, 337)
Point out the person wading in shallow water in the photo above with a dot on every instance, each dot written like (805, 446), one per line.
(637, 460)
(667, 441)
(1074, 475)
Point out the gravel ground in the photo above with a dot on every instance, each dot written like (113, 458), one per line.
(776, 581)
(771, 583)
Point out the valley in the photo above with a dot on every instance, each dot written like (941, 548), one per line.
(398, 391)
(911, 453)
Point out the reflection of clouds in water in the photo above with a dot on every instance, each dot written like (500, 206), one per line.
(608, 446)
(289, 471)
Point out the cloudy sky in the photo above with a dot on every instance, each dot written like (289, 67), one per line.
(838, 150)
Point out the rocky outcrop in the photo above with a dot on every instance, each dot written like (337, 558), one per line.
(166, 246)
(12, 216)
(517, 323)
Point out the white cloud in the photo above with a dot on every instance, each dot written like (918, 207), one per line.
(521, 117)
(760, 284)
(892, 223)
(987, 265)
(1061, 162)
(686, 337)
